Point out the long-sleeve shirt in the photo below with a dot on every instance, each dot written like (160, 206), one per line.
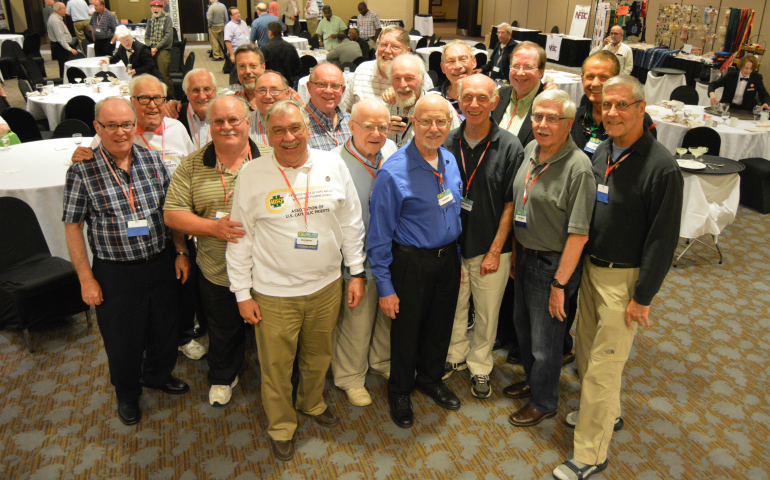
(160, 32)
(216, 15)
(104, 25)
(47, 12)
(58, 32)
(405, 208)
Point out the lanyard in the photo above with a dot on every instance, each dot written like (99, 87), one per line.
(197, 137)
(440, 179)
(130, 187)
(513, 115)
(500, 57)
(261, 133)
(99, 20)
(222, 177)
(240, 24)
(349, 149)
(612, 167)
(528, 188)
(331, 134)
(462, 157)
(618, 48)
(307, 193)
(162, 140)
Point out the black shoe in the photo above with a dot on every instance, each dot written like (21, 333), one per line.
(173, 386)
(401, 410)
(198, 331)
(568, 358)
(514, 356)
(129, 413)
(499, 344)
(441, 394)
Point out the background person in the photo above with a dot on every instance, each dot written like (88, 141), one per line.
(133, 52)
(743, 89)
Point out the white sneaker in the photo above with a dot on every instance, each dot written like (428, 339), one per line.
(193, 350)
(219, 395)
(359, 396)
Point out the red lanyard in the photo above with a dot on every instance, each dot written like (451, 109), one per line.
(616, 50)
(500, 57)
(307, 192)
(222, 177)
(261, 133)
(335, 135)
(99, 20)
(528, 188)
(162, 140)
(130, 187)
(612, 167)
(462, 157)
(197, 137)
(240, 24)
(513, 115)
(440, 179)
(348, 146)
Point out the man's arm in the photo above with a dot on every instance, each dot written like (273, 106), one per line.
(90, 289)
(385, 206)
(191, 224)
(182, 262)
(353, 236)
(168, 35)
(569, 260)
(491, 261)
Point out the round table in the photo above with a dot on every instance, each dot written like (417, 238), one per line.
(413, 39)
(13, 37)
(298, 42)
(91, 67)
(40, 169)
(568, 82)
(52, 106)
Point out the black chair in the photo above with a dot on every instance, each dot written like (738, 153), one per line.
(434, 63)
(432, 40)
(105, 76)
(314, 45)
(32, 49)
(481, 59)
(480, 46)
(423, 42)
(175, 67)
(352, 66)
(189, 64)
(8, 60)
(25, 88)
(68, 127)
(515, 23)
(233, 77)
(87, 40)
(439, 44)
(23, 125)
(81, 108)
(433, 77)
(35, 287)
(307, 62)
(358, 61)
(685, 94)
(703, 137)
(4, 30)
(414, 32)
(4, 105)
(555, 29)
(75, 72)
(755, 184)
(304, 34)
(33, 73)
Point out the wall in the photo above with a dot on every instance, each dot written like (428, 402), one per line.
(401, 9)
(450, 8)
(19, 18)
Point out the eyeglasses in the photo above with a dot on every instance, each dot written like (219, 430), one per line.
(551, 119)
(369, 128)
(251, 66)
(206, 90)
(427, 122)
(232, 121)
(113, 127)
(274, 92)
(145, 100)
(620, 106)
(527, 68)
(335, 87)
(393, 47)
(468, 98)
(459, 60)
(294, 129)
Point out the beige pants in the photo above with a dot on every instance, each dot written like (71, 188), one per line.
(312, 25)
(603, 342)
(215, 36)
(361, 340)
(287, 323)
(80, 28)
(163, 62)
(487, 294)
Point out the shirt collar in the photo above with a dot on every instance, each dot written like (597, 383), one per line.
(528, 99)
(641, 146)
(492, 136)
(565, 150)
(158, 131)
(210, 155)
(353, 149)
(322, 116)
(414, 159)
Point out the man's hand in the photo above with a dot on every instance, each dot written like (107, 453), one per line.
(491, 263)
(389, 305)
(232, 58)
(131, 72)
(103, 61)
(713, 99)
(250, 312)
(82, 153)
(765, 106)
(227, 230)
(513, 265)
(73, 51)
(182, 267)
(91, 292)
(556, 304)
(606, 40)
(550, 86)
(389, 96)
(355, 291)
(396, 125)
(172, 108)
(478, 70)
(637, 313)
(153, 51)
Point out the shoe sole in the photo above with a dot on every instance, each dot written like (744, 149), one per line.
(440, 404)
(619, 424)
(489, 394)
(401, 424)
(532, 424)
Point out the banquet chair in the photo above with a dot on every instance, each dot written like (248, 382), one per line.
(755, 184)
(4, 105)
(431, 40)
(105, 76)
(313, 42)
(414, 31)
(423, 42)
(24, 126)
(35, 287)
(75, 72)
(434, 63)
(34, 75)
(4, 31)
(308, 62)
(685, 94)
(515, 23)
(7, 59)
(25, 87)
(358, 61)
(703, 137)
(555, 29)
(32, 49)
(350, 65)
(481, 46)
(304, 34)
(433, 76)
(81, 108)
(481, 58)
(69, 127)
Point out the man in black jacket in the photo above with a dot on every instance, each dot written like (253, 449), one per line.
(280, 55)
(497, 67)
(743, 89)
(134, 53)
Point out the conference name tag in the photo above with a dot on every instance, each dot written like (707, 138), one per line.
(306, 241)
(496, 69)
(466, 204)
(445, 198)
(520, 219)
(603, 193)
(98, 30)
(592, 144)
(138, 228)
(219, 215)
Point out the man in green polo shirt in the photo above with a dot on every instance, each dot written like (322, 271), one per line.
(328, 29)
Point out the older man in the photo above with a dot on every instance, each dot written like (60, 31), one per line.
(271, 87)
(260, 25)
(80, 15)
(216, 17)
(237, 33)
(196, 205)
(413, 230)
(328, 29)
(368, 24)
(489, 158)
(313, 9)
(328, 122)
(281, 55)
(498, 66)
(346, 52)
(614, 44)
(457, 62)
(631, 244)
(47, 11)
(553, 202)
(285, 270)
(120, 196)
(59, 36)
(362, 336)
(200, 87)
(159, 37)
(103, 23)
(372, 78)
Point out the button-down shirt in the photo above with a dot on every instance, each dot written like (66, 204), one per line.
(104, 25)
(402, 139)
(94, 196)
(200, 130)
(405, 209)
(78, 10)
(237, 33)
(323, 134)
(521, 107)
(740, 89)
(327, 28)
(58, 32)
(368, 24)
(368, 83)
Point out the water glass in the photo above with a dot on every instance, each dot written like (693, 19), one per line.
(757, 110)
(5, 141)
(77, 138)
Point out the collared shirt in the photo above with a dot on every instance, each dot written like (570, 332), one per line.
(323, 134)
(159, 32)
(199, 129)
(402, 139)
(237, 33)
(320, 5)
(521, 107)
(104, 25)
(346, 51)
(259, 28)
(405, 209)
(368, 25)
(93, 195)
(47, 12)
(327, 28)
(258, 130)
(78, 10)
(442, 90)
(58, 32)
(368, 83)
(740, 89)
(216, 15)
(623, 52)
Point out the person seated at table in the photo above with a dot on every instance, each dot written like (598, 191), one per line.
(281, 55)
(743, 89)
(346, 52)
(4, 127)
(355, 36)
(614, 44)
(497, 67)
(134, 53)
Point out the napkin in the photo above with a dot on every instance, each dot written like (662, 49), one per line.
(757, 129)
(691, 123)
(11, 172)
(62, 147)
(653, 112)
(65, 85)
(33, 94)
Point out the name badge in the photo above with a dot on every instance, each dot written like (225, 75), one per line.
(593, 142)
(496, 69)
(445, 198)
(219, 215)
(520, 219)
(138, 228)
(98, 30)
(466, 204)
(306, 241)
(603, 193)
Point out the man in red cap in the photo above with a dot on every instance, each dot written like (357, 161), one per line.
(158, 37)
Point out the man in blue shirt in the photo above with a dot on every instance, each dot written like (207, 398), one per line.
(260, 25)
(415, 222)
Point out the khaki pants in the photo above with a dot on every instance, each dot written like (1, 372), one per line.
(288, 323)
(487, 294)
(312, 25)
(215, 37)
(603, 342)
(80, 28)
(361, 340)
(163, 62)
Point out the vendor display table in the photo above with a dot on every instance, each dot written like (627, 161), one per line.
(573, 49)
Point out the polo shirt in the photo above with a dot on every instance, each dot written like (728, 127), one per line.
(104, 25)
(624, 53)
(327, 28)
(259, 28)
(237, 33)
(368, 83)
(521, 108)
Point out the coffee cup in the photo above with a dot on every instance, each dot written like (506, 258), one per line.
(710, 123)
(764, 115)
(679, 117)
(733, 122)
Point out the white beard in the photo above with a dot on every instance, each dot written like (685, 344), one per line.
(408, 102)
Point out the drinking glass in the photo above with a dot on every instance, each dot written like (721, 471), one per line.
(681, 151)
(77, 80)
(725, 107)
(725, 117)
(39, 87)
(5, 141)
(77, 138)
(757, 110)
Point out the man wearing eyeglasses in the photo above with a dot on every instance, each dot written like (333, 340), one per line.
(237, 32)
(362, 336)
(200, 87)
(271, 88)
(199, 203)
(120, 195)
(328, 122)
(413, 230)
(285, 270)
(250, 64)
(281, 55)
(630, 248)
(498, 66)
(614, 44)
(457, 62)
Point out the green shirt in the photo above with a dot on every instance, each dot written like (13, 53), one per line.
(522, 110)
(327, 28)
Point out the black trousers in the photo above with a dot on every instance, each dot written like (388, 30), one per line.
(60, 55)
(427, 288)
(103, 47)
(189, 304)
(227, 332)
(138, 314)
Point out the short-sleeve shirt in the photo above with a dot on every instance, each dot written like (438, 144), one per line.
(237, 33)
(327, 28)
(368, 83)
(368, 24)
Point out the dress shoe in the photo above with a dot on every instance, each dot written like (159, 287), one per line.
(282, 449)
(359, 396)
(568, 358)
(499, 344)
(514, 356)
(198, 331)
(401, 410)
(517, 390)
(173, 386)
(129, 413)
(327, 418)
(441, 394)
(528, 417)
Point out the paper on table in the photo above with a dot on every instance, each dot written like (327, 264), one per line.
(11, 172)
(63, 147)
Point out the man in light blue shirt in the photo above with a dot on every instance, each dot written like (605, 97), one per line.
(81, 20)
(260, 24)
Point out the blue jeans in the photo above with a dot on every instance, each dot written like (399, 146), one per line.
(541, 337)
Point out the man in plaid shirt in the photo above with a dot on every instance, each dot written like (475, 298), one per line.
(368, 24)
(120, 195)
(328, 122)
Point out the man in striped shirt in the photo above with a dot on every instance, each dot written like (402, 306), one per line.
(328, 122)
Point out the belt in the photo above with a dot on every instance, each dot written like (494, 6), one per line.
(605, 264)
(542, 255)
(141, 261)
(428, 252)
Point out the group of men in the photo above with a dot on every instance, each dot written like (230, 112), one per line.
(422, 210)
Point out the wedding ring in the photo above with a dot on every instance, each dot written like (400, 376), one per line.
(227, 236)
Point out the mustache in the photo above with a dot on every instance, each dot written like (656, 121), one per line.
(227, 134)
(289, 144)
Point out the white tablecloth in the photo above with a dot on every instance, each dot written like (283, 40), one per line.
(302, 87)
(13, 37)
(52, 106)
(710, 203)
(660, 88)
(424, 25)
(91, 67)
(298, 42)
(90, 52)
(569, 82)
(425, 52)
(413, 39)
(737, 143)
(40, 183)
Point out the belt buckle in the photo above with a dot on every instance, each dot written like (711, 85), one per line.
(442, 251)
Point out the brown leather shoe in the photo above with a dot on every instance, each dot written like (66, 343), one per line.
(568, 358)
(327, 418)
(528, 417)
(282, 449)
(517, 390)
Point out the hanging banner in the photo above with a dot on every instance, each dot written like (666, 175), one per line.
(579, 21)
(600, 24)
(173, 10)
(553, 47)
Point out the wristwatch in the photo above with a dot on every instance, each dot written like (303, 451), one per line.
(556, 284)
(358, 275)
(186, 253)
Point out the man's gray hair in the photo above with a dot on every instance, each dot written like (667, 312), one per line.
(637, 90)
(122, 31)
(146, 77)
(452, 44)
(195, 71)
(505, 26)
(374, 103)
(568, 108)
(404, 57)
(249, 47)
(100, 104)
(58, 6)
(240, 101)
(283, 107)
(402, 35)
(460, 87)
(284, 82)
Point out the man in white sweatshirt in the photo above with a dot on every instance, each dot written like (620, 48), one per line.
(285, 270)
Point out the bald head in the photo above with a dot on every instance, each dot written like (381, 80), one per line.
(368, 107)
(369, 125)
(59, 8)
(616, 34)
(261, 8)
(478, 81)
(432, 102)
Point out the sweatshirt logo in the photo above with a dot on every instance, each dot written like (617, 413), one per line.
(276, 201)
